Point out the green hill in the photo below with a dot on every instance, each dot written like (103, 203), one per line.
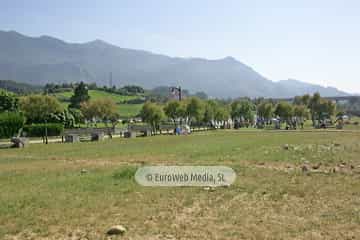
(125, 110)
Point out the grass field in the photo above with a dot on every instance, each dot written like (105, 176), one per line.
(129, 110)
(125, 110)
(44, 194)
(95, 94)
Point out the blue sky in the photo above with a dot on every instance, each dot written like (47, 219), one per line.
(316, 41)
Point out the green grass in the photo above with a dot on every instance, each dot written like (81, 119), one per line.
(351, 124)
(45, 194)
(129, 110)
(125, 110)
(95, 94)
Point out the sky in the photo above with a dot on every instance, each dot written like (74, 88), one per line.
(316, 41)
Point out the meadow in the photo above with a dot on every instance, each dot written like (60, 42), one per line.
(299, 185)
(125, 110)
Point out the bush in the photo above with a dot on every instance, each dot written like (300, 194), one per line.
(38, 130)
(10, 124)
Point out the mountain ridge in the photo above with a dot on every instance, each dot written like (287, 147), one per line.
(44, 59)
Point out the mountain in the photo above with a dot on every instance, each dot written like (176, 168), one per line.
(40, 60)
(20, 88)
(296, 87)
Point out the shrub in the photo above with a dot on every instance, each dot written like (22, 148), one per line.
(38, 130)
(10, 124)
(8, 101)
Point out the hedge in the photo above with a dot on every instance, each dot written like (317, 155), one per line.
(38, 130)
(10, 124)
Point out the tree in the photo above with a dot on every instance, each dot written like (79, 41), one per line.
(103, 109)
(109, 110)
(235, 106)
(65, 117)
(39, 108)
(172, 110)
(183, 112)
(320, 108)
(10, 124)
(301, 112)
(265, 111)
(210, 110)
(77, 114)
(314, 106)
(285, 111)
(195, 110)
(152, 114)
(305, 99)
(242, 110)
(132, 89)
(80, 95)
(297, 100)
(302, 100)
(222, 114)
(88, 111)
(326, 109)
(8, 101)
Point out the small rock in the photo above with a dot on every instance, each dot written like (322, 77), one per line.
(20, 142)
(316, 166)
(337, 144)
(83, 171)
(116, 230)
(207, 188)
(286, 147)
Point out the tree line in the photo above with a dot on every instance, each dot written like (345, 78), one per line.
(45, 112)
(194, 111)
(241, 112)
(125, 90)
